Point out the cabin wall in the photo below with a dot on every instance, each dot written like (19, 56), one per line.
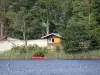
(57, 40)
(56, 43)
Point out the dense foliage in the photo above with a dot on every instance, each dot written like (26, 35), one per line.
(82, 30)
(77, 21)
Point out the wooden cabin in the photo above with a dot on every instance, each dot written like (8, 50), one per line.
(53, 40)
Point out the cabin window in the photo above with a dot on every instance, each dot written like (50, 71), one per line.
(51, 40)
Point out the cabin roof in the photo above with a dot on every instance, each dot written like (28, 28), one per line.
(54, 34)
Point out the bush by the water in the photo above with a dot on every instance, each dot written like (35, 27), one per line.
(40, 52)
(25, 52)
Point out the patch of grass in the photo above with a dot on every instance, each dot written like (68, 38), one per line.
(83, 55)
(21, 52)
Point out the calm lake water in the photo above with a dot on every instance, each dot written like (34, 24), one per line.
(50, 67)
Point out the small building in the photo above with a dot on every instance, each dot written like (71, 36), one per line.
(53, 40)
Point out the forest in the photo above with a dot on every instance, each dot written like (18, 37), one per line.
(77, 21)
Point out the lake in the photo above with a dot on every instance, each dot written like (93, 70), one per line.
(49, 67)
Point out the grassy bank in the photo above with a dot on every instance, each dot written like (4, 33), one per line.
(83, 55)
(26, 53)
(21, 52)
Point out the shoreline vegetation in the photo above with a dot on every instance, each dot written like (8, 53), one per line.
(20, 52)
(76, 21)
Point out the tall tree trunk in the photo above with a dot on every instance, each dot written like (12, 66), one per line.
(3, 18)
(47, 27)
(24, 33)
(89, 9)
(2, 29)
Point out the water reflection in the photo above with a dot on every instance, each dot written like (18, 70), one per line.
(50, 67)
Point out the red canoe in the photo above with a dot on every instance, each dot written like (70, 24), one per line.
(37, 57)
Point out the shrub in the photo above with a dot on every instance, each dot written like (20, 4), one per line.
(40, 52)
(30, 50)
(58, 48)
(21, 49)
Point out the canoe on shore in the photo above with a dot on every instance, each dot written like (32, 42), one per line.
(37, 57)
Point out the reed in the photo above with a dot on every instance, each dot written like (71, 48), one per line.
(82, 55)
(20, 52)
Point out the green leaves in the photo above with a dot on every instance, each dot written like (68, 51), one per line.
(81, 26)
(76, 20)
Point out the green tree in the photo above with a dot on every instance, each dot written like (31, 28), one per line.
(15, 24)
(81, 26)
